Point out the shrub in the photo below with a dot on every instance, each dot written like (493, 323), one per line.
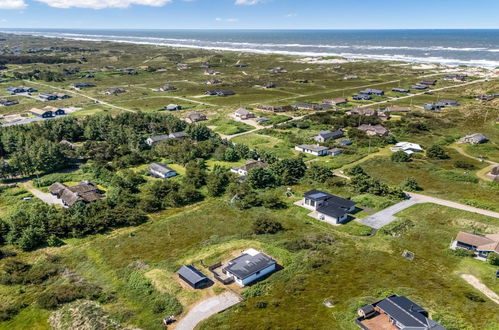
(494, 259)
(410, 184)
(461, 252)
(400, 157)
(436, 152)
(266, 226)
(456, 176)
(64, 293)
(464, 165)
(397, 228)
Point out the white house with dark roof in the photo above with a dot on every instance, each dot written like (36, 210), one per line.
(313, 149)
(327, 207)
(250, 266)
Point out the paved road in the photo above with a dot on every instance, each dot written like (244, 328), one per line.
(443, 202)
(475, 282)
(386, 216)
(207, 308)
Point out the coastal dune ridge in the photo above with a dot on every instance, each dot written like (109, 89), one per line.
(446, 49)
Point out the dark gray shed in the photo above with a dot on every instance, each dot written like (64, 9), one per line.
(193, 277)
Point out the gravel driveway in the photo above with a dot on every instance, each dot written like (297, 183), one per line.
(46, 197)
(384, 217)
(207, 308)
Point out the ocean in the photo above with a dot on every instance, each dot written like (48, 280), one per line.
(448, 47)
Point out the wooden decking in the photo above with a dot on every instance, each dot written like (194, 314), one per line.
(379, 322)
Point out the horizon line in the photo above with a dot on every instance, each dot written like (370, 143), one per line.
(257, 29)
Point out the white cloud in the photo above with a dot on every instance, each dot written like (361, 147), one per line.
(227, 20)
(248, 2)
(291, 15)
(101, 4)
(12, 4)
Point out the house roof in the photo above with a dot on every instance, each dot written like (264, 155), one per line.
(408, 146)
(158, 138)
(178, 135)
(378, 129)
(407, 313)
(476, 136)
(191, 274)
(332, 199)
(38, 111)
(161, 168)
(251, 164)
(56, 188)
(331, 134)
(249, 263)
(243, 111)
(196, 116)
(313, 147)
(483, 243)
(397, 108)
(83, 191)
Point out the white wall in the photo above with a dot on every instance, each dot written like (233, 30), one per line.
(254, 277)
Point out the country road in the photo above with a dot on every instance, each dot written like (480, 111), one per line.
(80, 94)
(454, 205)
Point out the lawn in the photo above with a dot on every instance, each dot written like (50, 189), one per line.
(438, 178)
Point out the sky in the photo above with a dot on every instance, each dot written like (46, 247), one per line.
(250, 14)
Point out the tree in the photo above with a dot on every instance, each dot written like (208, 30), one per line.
(357, 170)
(261, 178)
(493, 259)
(400, 157)
(289, 171)
(199, 132)
(319, 173)
(231, 155)
(436, 152)
(410, 184)
(266, 226)
(195, 173)
(216, 181)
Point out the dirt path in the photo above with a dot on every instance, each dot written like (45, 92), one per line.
(207, 308)
(475, 282)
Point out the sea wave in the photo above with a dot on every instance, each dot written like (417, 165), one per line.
(317, 50)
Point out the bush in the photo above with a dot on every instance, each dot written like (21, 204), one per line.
(464, 165)
(436, 152)
(493, 259)
(461, 252)
(400, 157)
(266, 226)
(64, 293)
(397, 228)
(456, 176)
(410, 184)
